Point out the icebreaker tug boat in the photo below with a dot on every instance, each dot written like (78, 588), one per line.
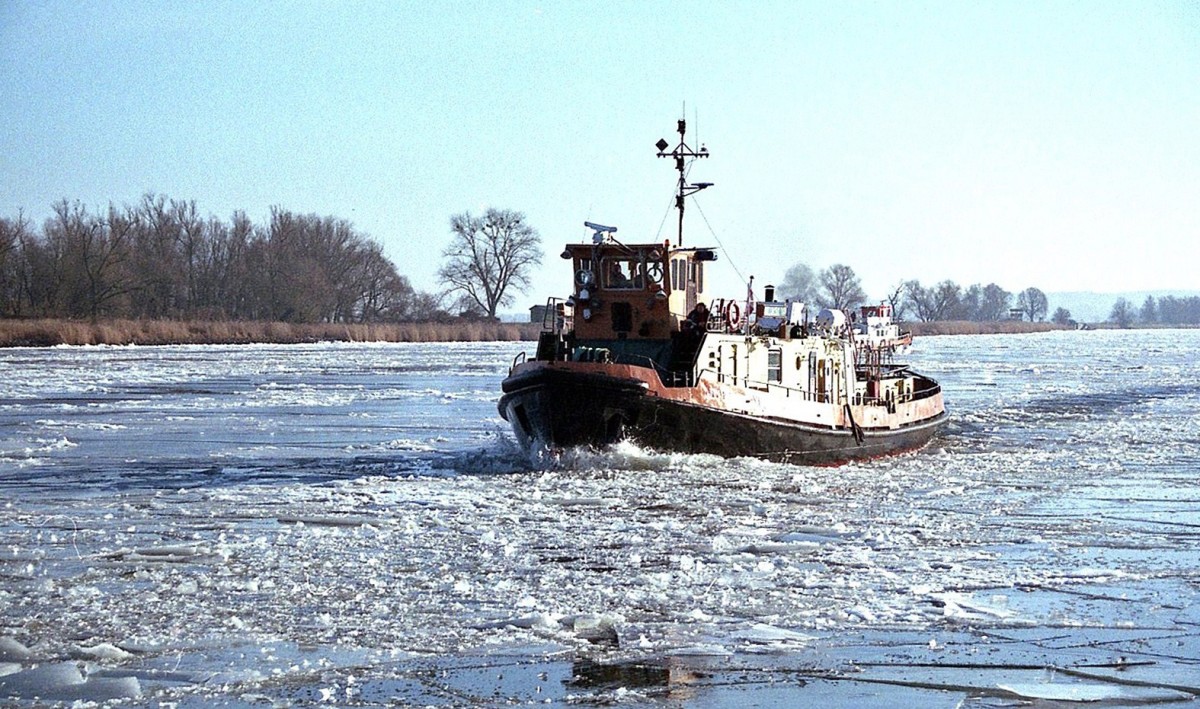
(641, 350)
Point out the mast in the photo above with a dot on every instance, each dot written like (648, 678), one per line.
(680, 152)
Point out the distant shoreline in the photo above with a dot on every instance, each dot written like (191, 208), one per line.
(969, 327)
(1016, 327)
(51, 332)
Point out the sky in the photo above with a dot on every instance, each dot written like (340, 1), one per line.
(1045, 144)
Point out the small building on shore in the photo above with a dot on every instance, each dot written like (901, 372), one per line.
(537, 313)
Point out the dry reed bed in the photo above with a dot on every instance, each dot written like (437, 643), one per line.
(48, 333)
(965, 327)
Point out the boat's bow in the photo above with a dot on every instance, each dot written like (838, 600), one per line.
(562, 404)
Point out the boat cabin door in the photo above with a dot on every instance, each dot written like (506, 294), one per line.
(687, 278)
(687, 275)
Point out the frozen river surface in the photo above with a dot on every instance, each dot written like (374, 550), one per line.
(349, 524)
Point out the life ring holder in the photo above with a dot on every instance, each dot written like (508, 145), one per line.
(654, 271)
(733, 314)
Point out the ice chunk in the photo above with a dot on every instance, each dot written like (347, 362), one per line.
(596, 629)
(13, 651)
(958, 606)
(64, 682)
(763, 634)
(234, 677)
(817, 535)
(583, 501)
(102, 651)
(703, 650)
(535, 620)
(1087, 692)
(166, 553)
(781, 547)
(861, 611)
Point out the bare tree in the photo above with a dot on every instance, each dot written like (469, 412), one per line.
(385, 295)
(947, 298)
(233, 272)
(1149, 311)
(10, 236)
(940, 302)
(91, 258)
(13, 235)
(158, 260)
(106, 262)
(919, 300)
(41, 273)
(427, 307)
(969, 302)
(895, 298)
(839, 288)
(1062, 316)
(1033, 303)
(189, 238)
(1122, 313)
(300, 257)
(212, 299)
(490, 257)
(799, 284)
(994, 304)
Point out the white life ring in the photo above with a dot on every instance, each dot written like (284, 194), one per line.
(733, 314)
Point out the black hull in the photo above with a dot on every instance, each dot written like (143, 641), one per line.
(692, 428)
(551, 408)
(554, 408)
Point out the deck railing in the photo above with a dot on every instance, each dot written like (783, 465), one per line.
(820, 397)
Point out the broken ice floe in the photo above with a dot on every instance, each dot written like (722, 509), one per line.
(1030, 536)
(66, 682)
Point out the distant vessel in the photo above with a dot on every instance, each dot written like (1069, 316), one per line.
(876, 330)
(641, 351)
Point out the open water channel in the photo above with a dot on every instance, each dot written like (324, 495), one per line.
(349, 524)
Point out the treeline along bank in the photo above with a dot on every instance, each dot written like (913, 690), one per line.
(160, 259)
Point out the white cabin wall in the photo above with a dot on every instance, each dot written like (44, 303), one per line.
(733, 356)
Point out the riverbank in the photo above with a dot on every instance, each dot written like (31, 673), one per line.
(48, 333)
(967, 327)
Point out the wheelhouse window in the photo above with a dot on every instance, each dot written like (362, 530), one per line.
(623, 274)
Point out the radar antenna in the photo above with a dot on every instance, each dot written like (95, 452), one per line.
(680, 152)
(600, 230)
